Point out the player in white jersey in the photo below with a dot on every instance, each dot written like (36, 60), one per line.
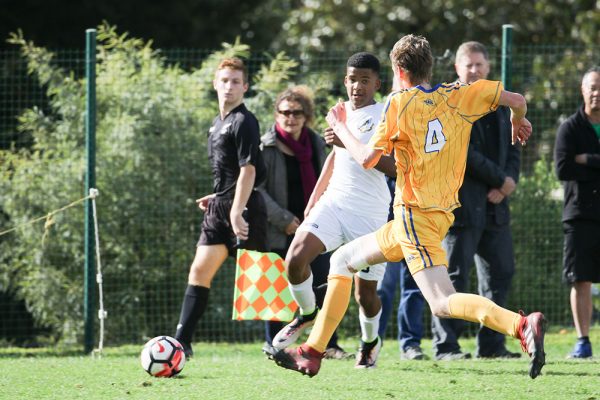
(347, 202)
(350, 187)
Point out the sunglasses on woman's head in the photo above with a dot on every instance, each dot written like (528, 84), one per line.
(287, 113)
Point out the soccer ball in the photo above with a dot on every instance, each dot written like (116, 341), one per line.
(163, 356)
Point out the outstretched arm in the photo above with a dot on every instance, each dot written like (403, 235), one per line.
(386, 164)
(521, 127)
(365, 156)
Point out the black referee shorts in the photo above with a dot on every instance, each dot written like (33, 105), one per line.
(216, 226)
(581, 251)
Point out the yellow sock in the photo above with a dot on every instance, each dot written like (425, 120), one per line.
(335, 305)
(474, 308)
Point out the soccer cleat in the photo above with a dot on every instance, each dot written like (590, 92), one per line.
(269, 350)
(292, 331)
(413, 353)
(531, 333)
(187, 348)
(368, 353)
(453, 356)
(582, 349)
(303, 359)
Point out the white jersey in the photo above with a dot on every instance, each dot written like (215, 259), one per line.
(351, 187)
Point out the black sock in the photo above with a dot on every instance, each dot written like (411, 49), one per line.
(320, 294)
(584, 339)
(194, 304)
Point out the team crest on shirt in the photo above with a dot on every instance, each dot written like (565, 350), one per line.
(366, 126)
(429, 102)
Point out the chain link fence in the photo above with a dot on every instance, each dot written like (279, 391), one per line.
(143, 297)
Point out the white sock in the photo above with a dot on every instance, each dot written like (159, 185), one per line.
(304, 296)
(369, 327)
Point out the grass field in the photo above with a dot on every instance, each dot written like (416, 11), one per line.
(240, 371)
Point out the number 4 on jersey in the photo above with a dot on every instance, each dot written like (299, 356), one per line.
(435, 139)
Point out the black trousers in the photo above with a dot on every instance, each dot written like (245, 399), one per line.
(491, 248)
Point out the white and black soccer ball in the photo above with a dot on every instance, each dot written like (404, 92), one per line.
(163, 356)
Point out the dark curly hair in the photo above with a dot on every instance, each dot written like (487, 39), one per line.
(364, 60)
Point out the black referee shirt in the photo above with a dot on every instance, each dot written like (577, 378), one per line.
(232, 143)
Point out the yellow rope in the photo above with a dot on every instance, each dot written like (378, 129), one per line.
(47, 217)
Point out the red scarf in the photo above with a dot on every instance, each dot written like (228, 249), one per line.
(303, 151)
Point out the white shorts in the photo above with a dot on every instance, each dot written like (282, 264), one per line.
(335, 226)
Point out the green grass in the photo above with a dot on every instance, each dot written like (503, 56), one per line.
(240, 371)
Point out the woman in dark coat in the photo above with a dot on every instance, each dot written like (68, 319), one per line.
(294, 155)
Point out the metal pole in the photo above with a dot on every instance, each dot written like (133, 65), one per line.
(89, 292)
(507, 56)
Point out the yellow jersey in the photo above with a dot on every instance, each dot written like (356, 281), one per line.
(429, 131)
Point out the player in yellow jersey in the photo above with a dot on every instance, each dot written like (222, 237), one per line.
(428, 129)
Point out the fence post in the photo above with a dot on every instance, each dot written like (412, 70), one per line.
(89, 292)
(507, 30)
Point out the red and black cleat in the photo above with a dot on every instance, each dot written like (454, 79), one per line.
(303, 359)
(531, 333)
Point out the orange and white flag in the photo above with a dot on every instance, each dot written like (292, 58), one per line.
(261, 288)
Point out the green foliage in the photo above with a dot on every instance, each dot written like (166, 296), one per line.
(536, 209)
(551, 81)
(152, 120)
(320, 26)
(268, 82)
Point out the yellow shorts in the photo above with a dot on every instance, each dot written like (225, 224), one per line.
(415, 235)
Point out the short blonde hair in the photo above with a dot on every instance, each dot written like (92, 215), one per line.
(413, 54)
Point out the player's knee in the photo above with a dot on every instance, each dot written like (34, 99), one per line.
(195, 268)
(439, 308)
(297, 265)
(198, 276)
(339, 263)
(297, 271)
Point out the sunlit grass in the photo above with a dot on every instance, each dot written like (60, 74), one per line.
(240, 371)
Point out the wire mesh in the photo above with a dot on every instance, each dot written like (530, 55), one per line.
(149, 222)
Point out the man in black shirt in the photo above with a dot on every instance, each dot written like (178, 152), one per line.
(577, 160)
(481, 230)
(238, 168)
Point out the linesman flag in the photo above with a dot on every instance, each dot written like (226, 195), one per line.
(261, 288)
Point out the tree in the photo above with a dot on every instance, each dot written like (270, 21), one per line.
(320, 26)
(152, 119)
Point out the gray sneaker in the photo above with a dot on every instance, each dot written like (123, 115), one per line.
(292, 331)
(269, 350)
(453, 356)
(413, 353)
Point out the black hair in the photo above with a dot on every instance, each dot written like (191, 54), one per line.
(364, 60)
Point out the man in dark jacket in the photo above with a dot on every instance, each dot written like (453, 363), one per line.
(481, 227)
(577, 159)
